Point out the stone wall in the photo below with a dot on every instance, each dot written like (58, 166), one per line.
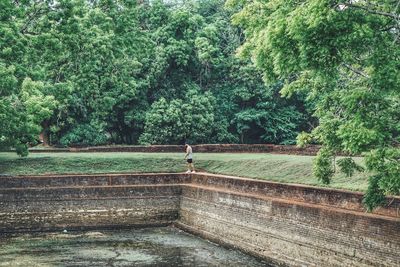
(212, 148)
(292, 225)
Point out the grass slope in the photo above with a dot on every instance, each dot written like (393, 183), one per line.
(272, 167)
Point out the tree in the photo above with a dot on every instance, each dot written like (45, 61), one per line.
(345, 56)
(179, 120)
(24, 104)
(262, 115)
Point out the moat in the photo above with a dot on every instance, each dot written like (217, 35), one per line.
(161, 246)
(284, 224)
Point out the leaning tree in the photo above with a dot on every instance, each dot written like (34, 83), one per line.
(345, 56)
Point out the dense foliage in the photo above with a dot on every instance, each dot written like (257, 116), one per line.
(90, 72)
(345, 56)
(24, 104)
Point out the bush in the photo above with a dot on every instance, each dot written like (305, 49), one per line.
(84, 134)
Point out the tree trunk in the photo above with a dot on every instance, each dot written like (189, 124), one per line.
(44, 135)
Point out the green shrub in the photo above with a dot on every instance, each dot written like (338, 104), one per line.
(323, 166)
(84, 134)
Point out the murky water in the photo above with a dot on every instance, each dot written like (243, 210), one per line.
(165, 246)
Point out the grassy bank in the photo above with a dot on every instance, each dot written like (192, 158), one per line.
(281, 168)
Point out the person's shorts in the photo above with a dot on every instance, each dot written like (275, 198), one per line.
(189, 160)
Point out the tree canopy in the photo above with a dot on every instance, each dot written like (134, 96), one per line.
(345, 56)
(98, 72)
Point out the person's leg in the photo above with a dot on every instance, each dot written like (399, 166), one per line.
(188, 166)
(192, 167)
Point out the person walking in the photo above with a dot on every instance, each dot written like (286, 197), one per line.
(189, 158)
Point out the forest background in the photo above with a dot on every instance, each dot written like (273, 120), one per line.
(122, 72)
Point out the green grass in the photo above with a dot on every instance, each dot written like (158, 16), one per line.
(281, 168)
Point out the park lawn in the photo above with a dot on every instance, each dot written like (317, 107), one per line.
(272, 167)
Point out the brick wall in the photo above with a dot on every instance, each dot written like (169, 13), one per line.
(215, 148)
(40, 203)
(291, 224)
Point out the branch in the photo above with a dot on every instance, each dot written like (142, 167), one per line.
(357, 71)
(372, 11)
(31, 17)
(26, 32)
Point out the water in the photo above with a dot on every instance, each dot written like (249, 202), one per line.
(165, 246)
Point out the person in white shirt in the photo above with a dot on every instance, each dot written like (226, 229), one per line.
(189, 158)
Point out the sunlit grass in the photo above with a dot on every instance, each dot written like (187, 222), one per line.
(281, 168)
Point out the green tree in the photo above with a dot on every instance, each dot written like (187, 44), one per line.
(24, 104)
(345, 56)
(94, 54)
(191, 118)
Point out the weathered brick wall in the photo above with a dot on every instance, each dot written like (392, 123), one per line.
(291, 225)
(40, 203)
(215, 148)
(344, 199)
(263, 220)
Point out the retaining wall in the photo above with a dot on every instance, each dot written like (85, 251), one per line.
(212, 148)
(40, 203)
(287, 224)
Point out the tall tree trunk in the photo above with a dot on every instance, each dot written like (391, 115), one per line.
(44, 135)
